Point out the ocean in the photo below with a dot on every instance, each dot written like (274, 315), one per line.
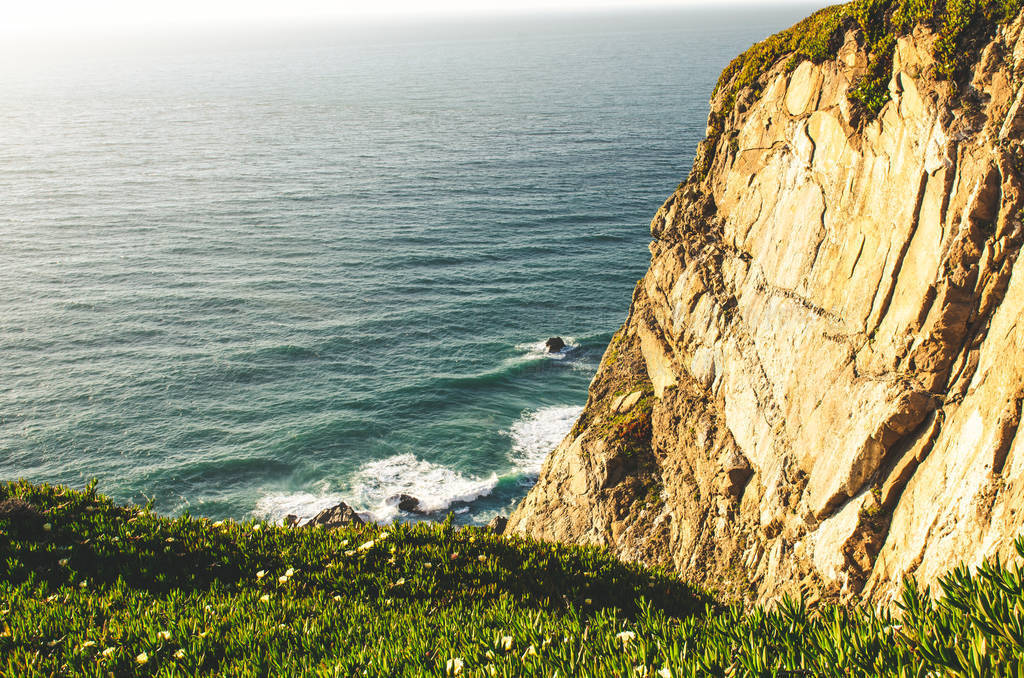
(247, 276)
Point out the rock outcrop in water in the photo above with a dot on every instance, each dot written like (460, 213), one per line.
(819, 383)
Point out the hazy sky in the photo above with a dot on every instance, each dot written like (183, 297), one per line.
(50, 18)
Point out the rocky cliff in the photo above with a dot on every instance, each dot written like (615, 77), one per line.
(818, 387)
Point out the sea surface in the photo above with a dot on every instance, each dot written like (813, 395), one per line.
(252, 275)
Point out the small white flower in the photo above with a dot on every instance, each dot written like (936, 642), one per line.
(180, 654)
(482, 558)
(337, 599)
(453, 667)
(82, 584)
(265, 598)
(625, 637)
(400, 581)
(427, 565)
(47, 527)
(141, 658)
(505, 643)
(257, 527)
(88, 643)
(109, 652)
(344, 542)
(366, 546)
(530, 652)
(383, 535)
(350, 552)
(164, 635)
(282, 579)
(218, 523)
(63, 562)
(289, 572)
(664, 672)
(261, 574)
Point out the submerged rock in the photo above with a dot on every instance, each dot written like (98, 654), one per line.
(555, 344)
(407, 503)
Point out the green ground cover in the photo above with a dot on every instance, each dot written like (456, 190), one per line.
(88, 588)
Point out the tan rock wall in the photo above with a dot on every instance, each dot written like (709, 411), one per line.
(827, 345)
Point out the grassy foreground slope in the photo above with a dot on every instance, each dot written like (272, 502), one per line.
(91, 588)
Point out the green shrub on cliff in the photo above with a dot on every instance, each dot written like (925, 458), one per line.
(88, 588)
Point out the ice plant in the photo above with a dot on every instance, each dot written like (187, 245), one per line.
(141, 658)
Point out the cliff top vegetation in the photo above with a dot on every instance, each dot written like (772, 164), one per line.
(962, 27)
(89, 588)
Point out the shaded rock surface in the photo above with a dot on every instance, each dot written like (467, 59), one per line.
(24, 516)
(828, 346)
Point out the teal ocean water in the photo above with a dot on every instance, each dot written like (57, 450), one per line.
(250, 277)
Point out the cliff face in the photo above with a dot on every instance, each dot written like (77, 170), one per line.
(819, 383)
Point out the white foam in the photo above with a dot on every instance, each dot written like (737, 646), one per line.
(537, 433)
(372, 486)
(275, 506)
(437, 487)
